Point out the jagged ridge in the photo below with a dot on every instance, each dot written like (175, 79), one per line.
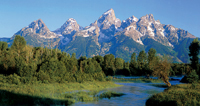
(106, 35)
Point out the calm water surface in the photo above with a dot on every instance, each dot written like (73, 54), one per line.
(135, 94)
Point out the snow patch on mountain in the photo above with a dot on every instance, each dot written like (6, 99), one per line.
(139, 41)
(119, 29)
(72, 20)
(133, 19)
(49, 37)
(162, 32)
(130, 27)
(150, 30)
(171, 45)
(86, 35)
(90, 29)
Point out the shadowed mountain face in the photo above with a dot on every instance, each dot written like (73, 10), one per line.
(110, 35)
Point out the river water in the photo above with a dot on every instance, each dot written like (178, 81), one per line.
(136, 94)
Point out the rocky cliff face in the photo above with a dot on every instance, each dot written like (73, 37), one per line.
(108, 25)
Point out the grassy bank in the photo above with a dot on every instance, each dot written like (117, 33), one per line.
(137, 80)
(47, 94)
(178, 95)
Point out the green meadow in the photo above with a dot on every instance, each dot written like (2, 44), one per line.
(51, 94)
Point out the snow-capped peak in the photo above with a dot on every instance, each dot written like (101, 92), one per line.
(132, 19)
(71, 20)
(109, 11)
(69, 26)
(108, 19)
(148, 17)
(127, 22)
(37, 24)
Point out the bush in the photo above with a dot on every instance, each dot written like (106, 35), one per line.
(192, 77)
(109, 78)
(110, 94)
(99, 76)
(14, 79)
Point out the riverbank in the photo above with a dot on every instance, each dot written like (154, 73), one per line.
(53, 93)
(177, 95)
(137, 80)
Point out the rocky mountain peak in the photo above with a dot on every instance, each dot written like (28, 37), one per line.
(108, 19)
(36, 29)
(109, 12)
(38, 26)
(68, 27)
(132, 19)
(127, 22)
(71, 20)
(109, 35)
(148, 17)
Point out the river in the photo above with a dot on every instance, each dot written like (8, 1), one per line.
(136, 94)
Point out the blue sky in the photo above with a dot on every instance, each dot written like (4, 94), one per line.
(16, 14)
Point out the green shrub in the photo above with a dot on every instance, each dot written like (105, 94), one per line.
(109, 78)
(14, 79)
(178, 95)
(192, 77)
(110, 94)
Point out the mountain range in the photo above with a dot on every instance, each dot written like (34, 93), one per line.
(109, 34)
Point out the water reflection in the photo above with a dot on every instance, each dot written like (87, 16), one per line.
(136, 94)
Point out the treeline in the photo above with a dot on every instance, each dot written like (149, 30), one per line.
(140, 65)
(22, 63)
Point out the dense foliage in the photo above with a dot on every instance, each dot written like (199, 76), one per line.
(178, 95)
(25, 64)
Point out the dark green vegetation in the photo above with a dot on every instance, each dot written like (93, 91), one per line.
(9, 98)
(137, 80)
(24, 64)
(110, 94)
(183, 94)
(178, 95)
(39, 75)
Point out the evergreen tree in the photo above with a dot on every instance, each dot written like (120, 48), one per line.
(133, 64)
(108, 64)
(18, 45)
(119, 65)
(142, 62)
(3, 46)
(193, 53)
